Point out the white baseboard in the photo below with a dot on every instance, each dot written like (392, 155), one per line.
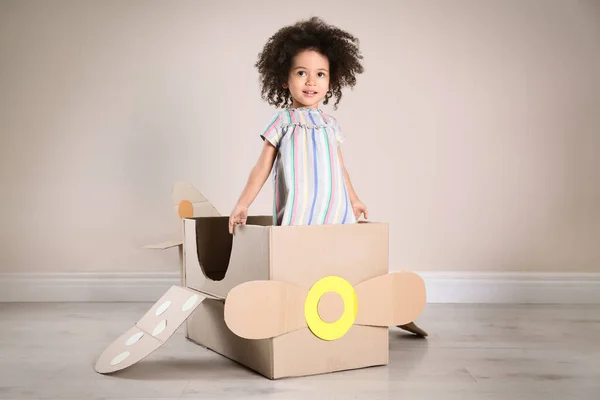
(512, 287)
(85, 287)
(442, 287)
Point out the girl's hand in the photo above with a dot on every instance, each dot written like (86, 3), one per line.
(359, 208)
(238, 216)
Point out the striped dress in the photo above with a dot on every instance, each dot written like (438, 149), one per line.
(309, 185)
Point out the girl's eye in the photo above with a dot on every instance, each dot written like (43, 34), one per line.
(321, 74)
(301, 72)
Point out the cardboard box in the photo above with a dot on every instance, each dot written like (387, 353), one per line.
(296, 255)
(283, 301)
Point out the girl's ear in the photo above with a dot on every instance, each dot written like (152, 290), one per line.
(285, 85)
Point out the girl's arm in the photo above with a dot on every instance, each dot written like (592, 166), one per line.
(351, 192)
(357, 206)
(258, 175)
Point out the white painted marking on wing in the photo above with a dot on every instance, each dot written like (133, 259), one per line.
(120, 358)
(160, 327)
(189, 303)
(163, 307)
(134, 338)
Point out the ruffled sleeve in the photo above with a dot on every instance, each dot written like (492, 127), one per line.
(273, 131)
(339, 134)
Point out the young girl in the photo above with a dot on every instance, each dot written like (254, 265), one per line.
(301, 66)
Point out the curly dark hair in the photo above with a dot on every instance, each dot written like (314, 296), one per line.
(275, 60)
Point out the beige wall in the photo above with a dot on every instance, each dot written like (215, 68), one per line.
(475, 130)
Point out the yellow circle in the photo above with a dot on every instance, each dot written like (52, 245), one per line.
(330, 330)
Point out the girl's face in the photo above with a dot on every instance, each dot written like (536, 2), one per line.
(308, 80)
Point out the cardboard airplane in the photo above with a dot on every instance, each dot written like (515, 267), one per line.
(283, 301)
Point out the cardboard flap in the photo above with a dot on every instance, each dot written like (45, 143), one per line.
(151, 331)
(166, 244)
(265, 309)
(186, 191)
(391, 299)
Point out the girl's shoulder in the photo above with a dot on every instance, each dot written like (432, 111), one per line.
(304, 117)
(286, 120)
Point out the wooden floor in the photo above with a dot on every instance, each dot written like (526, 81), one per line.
(474, 352)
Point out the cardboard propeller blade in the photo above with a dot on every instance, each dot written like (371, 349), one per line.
(151, 331)
(391, 299)
(265, 309)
